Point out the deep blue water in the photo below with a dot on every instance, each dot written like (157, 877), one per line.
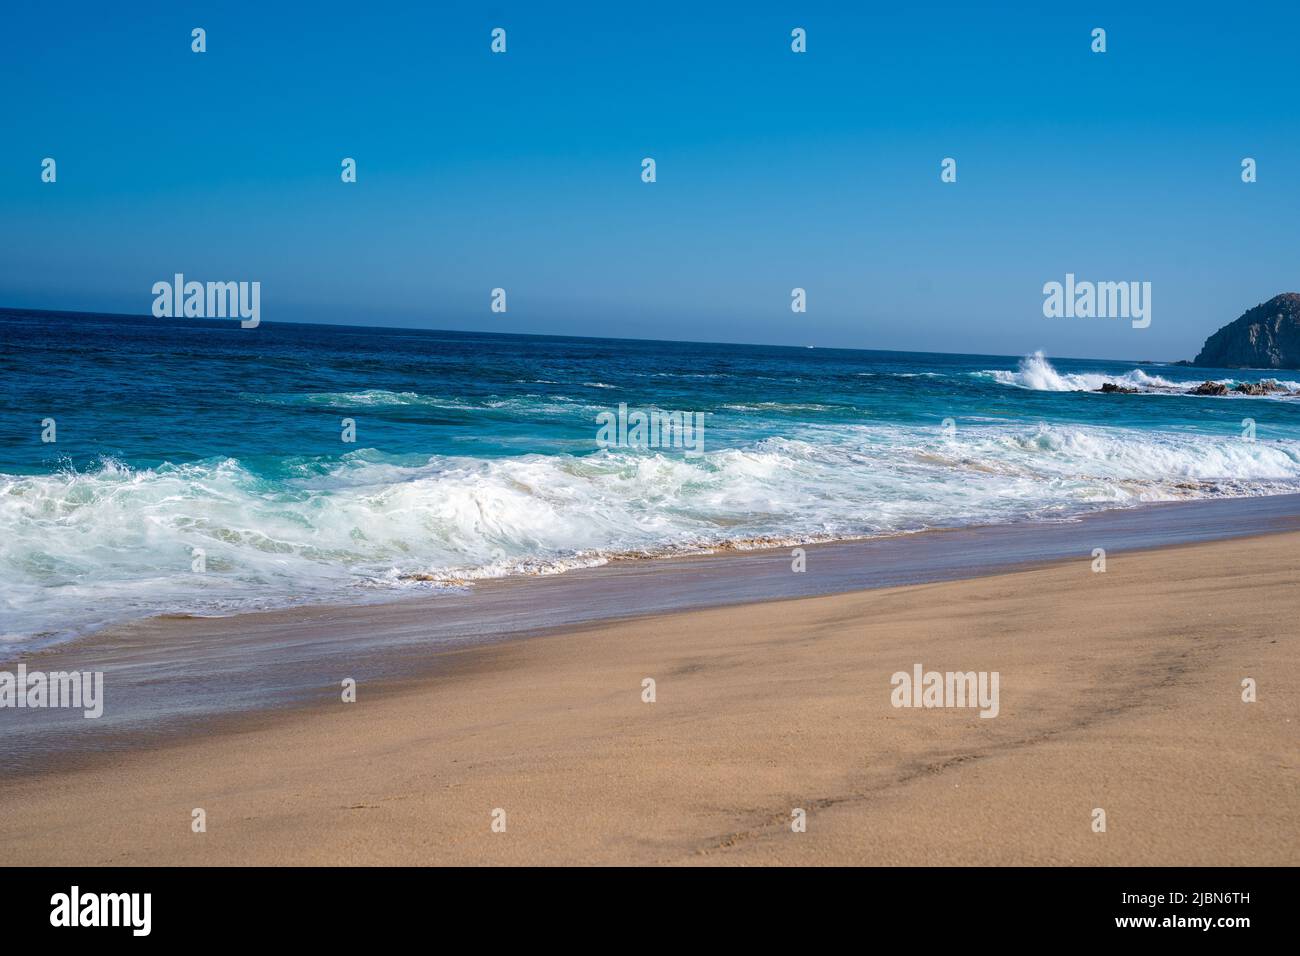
(477, 455)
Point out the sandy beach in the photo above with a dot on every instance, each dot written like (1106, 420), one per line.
(1120, 691)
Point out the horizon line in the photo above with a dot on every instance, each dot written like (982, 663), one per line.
(590, 338)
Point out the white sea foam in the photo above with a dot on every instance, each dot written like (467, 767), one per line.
(382, 398)
(79, 550)
(1036, 373)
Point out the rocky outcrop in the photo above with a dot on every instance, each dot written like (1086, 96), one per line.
(1267, 336)
(1267, 387)
(1110, 388)
(1209, 388)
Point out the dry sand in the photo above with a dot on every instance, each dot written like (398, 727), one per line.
(1119, 691)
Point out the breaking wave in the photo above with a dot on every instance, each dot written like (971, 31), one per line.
(1036, 373)
(82, 549)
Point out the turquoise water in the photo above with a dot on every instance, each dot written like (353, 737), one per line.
(476, 456)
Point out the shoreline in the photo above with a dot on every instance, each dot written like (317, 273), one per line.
(1285, 506)
(172, 676)
(1125, 695)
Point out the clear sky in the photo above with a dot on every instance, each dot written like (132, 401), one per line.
(775, 169)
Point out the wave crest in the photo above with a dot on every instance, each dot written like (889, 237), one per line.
(1037, 374)
(78, 550)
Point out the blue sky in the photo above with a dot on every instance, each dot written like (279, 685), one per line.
(775, 170)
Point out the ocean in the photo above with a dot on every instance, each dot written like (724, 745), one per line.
(200, 468)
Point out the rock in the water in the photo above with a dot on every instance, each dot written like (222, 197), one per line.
(1266, 387)
(1267, 336)
(1209, 388)
(1110, 388)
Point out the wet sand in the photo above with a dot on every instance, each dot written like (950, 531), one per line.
(172, 676)
(1119, 691)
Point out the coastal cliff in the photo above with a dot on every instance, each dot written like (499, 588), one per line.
(1267, 336)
